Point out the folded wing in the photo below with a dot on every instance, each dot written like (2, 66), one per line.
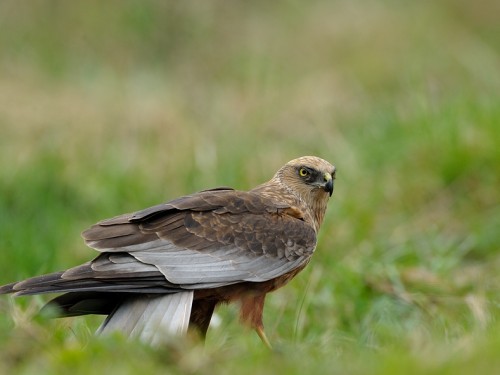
(205, 240)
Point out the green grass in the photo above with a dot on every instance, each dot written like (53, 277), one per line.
(110, 107)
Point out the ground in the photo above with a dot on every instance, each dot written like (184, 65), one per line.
(108, 108)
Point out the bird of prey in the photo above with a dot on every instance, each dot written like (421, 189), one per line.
(164, 269)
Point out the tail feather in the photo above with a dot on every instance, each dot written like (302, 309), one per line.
(151, 318)
(57, 283)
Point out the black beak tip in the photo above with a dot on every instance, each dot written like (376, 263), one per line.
(329, 187)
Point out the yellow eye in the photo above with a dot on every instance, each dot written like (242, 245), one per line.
(303, 172)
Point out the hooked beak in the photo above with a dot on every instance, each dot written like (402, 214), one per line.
(328, 184)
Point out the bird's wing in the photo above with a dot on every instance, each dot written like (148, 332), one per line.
(204, 240)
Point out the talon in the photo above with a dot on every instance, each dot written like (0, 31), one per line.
(263, 337)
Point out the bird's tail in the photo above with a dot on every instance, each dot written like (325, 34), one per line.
(151, 318)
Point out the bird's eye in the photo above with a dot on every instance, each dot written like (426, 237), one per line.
(303, 172)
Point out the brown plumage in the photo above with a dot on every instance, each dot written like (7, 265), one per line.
(167, 267)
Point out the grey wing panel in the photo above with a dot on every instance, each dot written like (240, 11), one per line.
(227, 265)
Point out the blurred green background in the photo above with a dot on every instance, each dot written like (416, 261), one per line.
(109, 107)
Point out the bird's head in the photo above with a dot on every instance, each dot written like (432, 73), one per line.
(309, 177)
(311, 180)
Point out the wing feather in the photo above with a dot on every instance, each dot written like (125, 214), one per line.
(206, 240)
(209, 238)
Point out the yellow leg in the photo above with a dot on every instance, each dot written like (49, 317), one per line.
(263, 337)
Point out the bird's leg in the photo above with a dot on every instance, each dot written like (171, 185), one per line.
(252, 306)
(201, 314)
(263, 337)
